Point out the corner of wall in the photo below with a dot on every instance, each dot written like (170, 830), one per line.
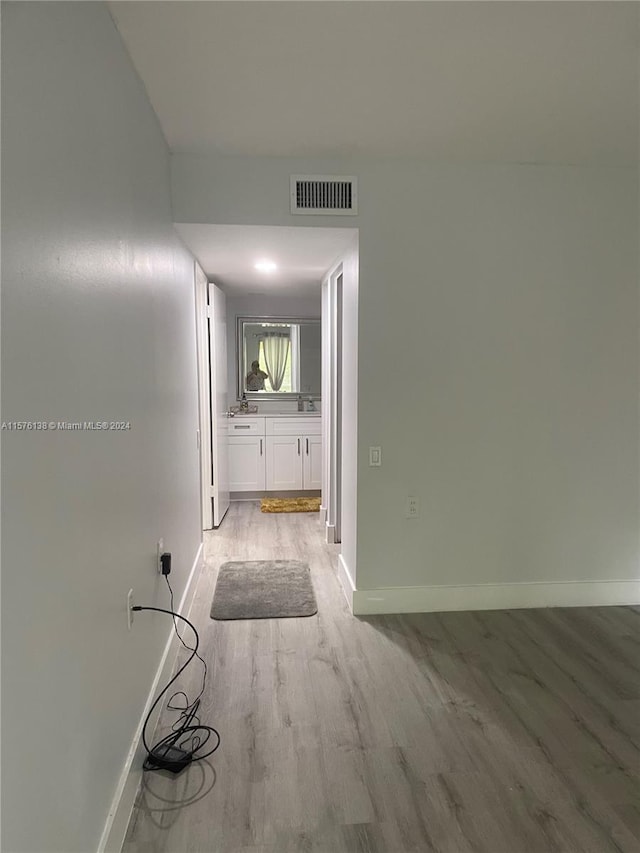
(346, 582)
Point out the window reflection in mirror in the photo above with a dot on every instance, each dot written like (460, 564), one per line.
(278, 356)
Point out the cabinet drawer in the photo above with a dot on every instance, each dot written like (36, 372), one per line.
(294, 426)
(245, 426)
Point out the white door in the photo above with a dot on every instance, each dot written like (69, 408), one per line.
(284, 462)
(219, 440)
(312, 461)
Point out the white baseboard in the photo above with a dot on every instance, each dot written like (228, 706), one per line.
(124, 799)
(426, 599)
(330, 533)
(323, 514)
(346, 581)
(256, 496)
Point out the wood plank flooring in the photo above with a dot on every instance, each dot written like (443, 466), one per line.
(493, 732)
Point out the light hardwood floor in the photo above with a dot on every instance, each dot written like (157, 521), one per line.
(498, 732)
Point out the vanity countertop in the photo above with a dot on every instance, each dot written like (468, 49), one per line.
(277, 414)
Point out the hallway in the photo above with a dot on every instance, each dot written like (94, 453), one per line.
(510, 731)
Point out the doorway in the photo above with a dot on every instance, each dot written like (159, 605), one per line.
(316, 275)
(211, 345)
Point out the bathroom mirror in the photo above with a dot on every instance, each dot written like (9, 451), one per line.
(278, 356)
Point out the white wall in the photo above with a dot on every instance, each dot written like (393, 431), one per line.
(98, 324)
(497, 360)
(267, 306)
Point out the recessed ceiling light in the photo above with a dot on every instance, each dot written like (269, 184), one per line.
(265, 266)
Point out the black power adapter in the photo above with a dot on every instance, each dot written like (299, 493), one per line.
(165, 757)
(165, 563)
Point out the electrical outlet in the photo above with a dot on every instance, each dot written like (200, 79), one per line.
(130, 604)
(159, 554)
(412, 508)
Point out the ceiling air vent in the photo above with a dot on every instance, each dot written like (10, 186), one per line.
(332, 195)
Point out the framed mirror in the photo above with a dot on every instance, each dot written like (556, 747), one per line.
(278, 357)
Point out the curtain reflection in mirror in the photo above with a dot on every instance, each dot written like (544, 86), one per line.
(276, 347)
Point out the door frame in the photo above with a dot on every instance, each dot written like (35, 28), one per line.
(219, 412)
(204, 397)
(332, 326)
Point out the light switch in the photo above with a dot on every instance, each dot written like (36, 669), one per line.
(375, 457)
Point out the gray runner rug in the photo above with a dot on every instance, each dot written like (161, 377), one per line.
(263, 589)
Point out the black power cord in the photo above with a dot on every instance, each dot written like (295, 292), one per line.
(178, 749)
(189, 649)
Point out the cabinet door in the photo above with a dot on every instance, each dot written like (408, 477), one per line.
(312, 461)
(246, 463)
(284, 462)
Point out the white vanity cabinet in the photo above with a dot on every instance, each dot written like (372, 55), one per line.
(294, 454)
(275, 453)
(246, 454)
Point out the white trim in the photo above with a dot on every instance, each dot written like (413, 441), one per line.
(219, 403)
(204, 398)
(274, 493)
(325, 333)
(323, 509)
(330, 533)
(124, 798)
(346, 582)
(332, 402)
(426, 599)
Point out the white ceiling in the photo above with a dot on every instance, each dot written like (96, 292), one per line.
(481, 81)
(227, 254)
